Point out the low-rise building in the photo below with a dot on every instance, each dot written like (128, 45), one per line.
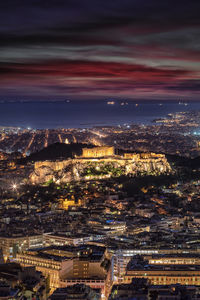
(77, 291)
(161, 274)
(10, 245)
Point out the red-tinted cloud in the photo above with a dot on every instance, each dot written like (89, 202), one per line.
(86, 78)
(131, 48)
(90, 69)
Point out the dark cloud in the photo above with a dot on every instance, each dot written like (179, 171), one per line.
(186, 85)
(90, 69)
(131, 45)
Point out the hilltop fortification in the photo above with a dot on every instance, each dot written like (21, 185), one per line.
(100, 163)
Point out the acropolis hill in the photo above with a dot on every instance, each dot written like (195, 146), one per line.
(99, 163)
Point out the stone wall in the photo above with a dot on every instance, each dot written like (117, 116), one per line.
(138, 156)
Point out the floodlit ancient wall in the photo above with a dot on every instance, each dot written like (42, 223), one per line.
(138, 156)
(134, 156)
(56, 165)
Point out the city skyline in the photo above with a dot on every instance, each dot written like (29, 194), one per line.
(97, 49)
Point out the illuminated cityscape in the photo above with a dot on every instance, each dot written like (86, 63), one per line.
(101, 217)
(99, 150)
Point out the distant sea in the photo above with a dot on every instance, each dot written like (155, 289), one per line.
(84, 114)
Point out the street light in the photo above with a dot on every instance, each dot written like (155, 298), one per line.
(14, 186)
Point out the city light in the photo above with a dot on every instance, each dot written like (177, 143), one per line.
(100, 194)
(14, 186)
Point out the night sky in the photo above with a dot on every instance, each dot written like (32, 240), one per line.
(90, 49)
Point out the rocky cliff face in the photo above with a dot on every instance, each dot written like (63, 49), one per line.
(88, 169)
